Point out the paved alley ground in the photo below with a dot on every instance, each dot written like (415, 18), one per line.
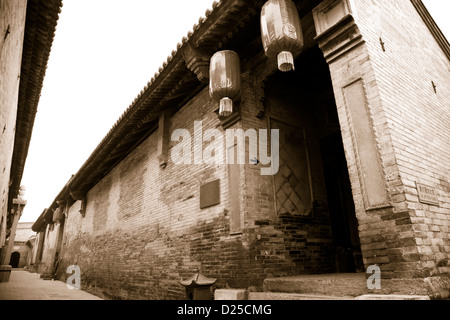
(24, 285)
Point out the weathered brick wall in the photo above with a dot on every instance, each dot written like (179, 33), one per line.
(12, 17)
(37, 251)
(418, 119)
(143, 230)
(47, 262)
(394, 69)
(378, 227)
(72, 233)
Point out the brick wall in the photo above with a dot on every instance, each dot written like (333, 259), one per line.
(37, 252)
(47, 262)
(418, 119)
(396, 67)
(143, 230)
(12, 16)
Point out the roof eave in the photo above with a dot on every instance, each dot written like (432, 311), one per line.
(172, 69)
(432, 26)
(40, 27)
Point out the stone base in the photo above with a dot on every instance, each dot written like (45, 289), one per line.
(33, 269)
(436, 287)
(333, 285)
(343, 287)
(230, 294)
(292, 296)
(47, 276)
(5, 273)
(239, 294)
(391, 297)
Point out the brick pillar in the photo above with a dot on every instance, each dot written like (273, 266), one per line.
(50, 264)
(385, 228)
(18, 205)
(39, 251)
(5, 268)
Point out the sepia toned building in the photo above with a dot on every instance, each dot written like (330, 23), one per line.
(361, 179)
(21, 256)
(27, 30)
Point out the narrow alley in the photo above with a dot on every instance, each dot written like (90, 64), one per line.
(24, 285)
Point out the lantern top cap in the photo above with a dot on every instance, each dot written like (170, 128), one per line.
(199, 280)
(225, 51)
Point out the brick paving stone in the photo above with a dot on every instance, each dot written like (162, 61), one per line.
(24, 285)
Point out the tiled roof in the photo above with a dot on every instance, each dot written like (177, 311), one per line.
(40, 26)
(220, 24)
(173, 83)
(174, 52)
(24, 232)
(432, 26)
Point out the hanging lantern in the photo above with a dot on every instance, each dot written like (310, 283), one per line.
(281, 32)
(225, 80)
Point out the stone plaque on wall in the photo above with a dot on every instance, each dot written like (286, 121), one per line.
(427, 194)
(365, 146)
(210, 194)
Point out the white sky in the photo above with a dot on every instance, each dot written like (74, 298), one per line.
(103, 54)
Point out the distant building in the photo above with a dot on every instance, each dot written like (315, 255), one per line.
(27, 29)
(362, 178)
(23, 246)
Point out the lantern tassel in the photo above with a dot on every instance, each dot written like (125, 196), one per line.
(285, 61)
(226, 107)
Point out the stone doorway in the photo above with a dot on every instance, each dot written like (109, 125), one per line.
(316, 188)
(15, 258)
(347, 247)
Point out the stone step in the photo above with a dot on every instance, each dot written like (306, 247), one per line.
(392, 297)
(243, 294)
(291, 296)
(330, 285)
